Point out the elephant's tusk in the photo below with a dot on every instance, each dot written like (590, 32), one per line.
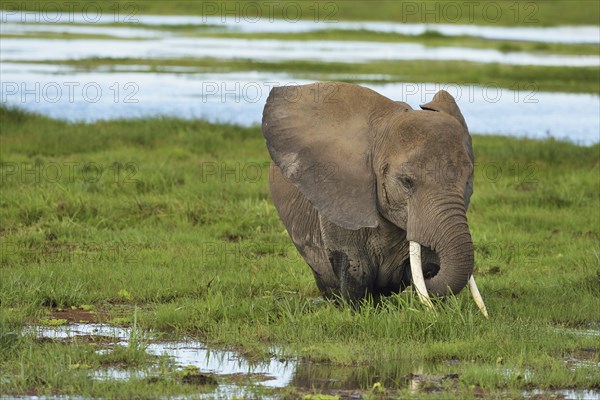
(477, 296)
(416, 270)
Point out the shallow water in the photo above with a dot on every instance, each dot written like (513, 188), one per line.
(275, 373)
(350, 381)
(184, 353)
(590, 331)
(167, 44)
(271, 50)
(65, 93)
(563, 394)
(560, 34)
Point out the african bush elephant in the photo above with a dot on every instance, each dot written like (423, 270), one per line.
(367, 186)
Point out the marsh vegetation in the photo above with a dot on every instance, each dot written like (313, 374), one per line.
(173, 218)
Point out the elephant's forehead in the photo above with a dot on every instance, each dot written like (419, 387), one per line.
(425, 133)
(430, 125)
(431, 166)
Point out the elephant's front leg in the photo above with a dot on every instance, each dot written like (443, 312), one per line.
(353, 274)
(348, 255)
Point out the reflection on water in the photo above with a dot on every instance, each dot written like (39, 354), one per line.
(239, 97)
(324, 377)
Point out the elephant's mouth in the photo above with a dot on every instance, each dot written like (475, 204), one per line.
(431, 267)
(431, 262)
(422, 268)
(430, 270)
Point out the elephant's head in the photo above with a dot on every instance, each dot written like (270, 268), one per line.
(359, 156)
(423, 168)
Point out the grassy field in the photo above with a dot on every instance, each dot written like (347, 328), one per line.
(482, 12)
(169, 223)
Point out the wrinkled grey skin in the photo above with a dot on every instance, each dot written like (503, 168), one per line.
(355, 176)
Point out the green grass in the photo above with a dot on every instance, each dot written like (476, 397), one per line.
(484, 12)
(175, 217)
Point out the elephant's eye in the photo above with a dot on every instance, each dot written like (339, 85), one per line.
(407, 182)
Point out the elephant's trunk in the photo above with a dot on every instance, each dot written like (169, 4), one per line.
(456, 261)
(451, 240)
(445, 231)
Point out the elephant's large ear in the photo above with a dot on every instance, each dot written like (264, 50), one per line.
(444, 102)
(320, 137)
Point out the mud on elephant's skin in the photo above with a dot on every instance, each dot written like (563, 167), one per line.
(372, 192)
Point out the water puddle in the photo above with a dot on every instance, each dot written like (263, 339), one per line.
(239, 376)
(559, 34)
(67, 93)
(184, 353)
(563, 394)
(592, 330)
